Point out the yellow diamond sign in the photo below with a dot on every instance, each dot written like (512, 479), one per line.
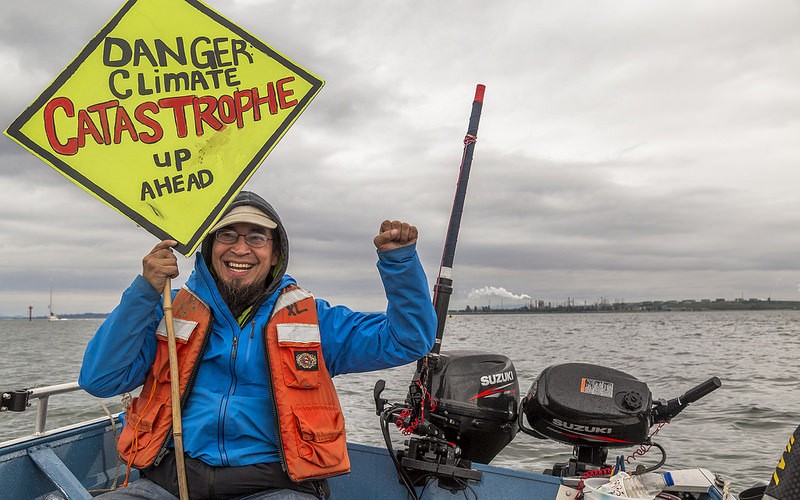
(165, 115)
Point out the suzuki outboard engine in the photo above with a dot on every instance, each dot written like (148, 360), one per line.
(582, 404)
(595, 408)
(461, 408)
(477, 395)
(590, 407)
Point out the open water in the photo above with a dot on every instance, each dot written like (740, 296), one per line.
(738, 431)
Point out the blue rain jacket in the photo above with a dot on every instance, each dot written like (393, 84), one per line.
(228, 419)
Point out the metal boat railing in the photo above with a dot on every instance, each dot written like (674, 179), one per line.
(19, 400)
(75, 461)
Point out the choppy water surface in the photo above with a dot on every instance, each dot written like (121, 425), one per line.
(739, 431)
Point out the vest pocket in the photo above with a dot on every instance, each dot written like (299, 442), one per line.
(320, 434)
(300, 364)
(140, 429)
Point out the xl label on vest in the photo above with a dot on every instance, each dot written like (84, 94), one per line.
(165, 115)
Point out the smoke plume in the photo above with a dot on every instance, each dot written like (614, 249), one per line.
(493, 291)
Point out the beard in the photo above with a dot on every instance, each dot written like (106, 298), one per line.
(239, 297)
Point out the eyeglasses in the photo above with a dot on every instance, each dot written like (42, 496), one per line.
(229, 237)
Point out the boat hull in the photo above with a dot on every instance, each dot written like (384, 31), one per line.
(73, 461)
(80, 461)
(373, 476)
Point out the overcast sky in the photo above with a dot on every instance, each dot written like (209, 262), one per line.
(628, 150)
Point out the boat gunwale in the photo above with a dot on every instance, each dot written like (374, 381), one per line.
(61, 434)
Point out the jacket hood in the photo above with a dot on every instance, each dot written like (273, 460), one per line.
(281, 242)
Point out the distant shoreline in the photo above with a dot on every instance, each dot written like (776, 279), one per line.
(60, 317)
(646, 306)
(547, 308)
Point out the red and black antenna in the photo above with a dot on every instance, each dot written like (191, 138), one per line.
(419, 393)
(444, 283)
(414, 415)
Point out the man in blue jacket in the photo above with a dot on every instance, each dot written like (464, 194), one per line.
(234, 437)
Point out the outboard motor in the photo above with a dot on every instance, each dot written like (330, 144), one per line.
(461, 407)
(582, 404)
(477, 395)
(595, 408)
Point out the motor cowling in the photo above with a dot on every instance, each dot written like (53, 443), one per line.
(477, 399)
(588, 405)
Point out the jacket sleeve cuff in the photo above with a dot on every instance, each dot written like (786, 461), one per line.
(143, 287)
(401, 254)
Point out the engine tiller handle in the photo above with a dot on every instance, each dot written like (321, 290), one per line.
(700, 391)
(666, 411)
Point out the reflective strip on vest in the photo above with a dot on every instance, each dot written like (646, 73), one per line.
(183, 329)
(298, 333)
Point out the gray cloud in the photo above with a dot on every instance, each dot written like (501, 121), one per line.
(636, 150)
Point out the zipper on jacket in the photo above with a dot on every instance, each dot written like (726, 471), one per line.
(162, 452)
(223, 410)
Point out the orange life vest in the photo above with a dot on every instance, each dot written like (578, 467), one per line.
(148, 419)
(310, 419)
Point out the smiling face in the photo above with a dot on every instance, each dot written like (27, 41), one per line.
(238, 265)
